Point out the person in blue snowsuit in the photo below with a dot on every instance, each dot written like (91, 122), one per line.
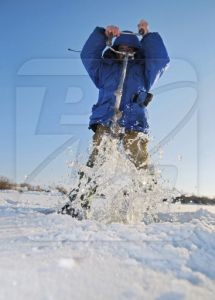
(105, 67)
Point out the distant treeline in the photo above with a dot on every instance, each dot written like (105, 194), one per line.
(6, 184)
(184, 199)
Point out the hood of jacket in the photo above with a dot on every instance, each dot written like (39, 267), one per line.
(129, 40)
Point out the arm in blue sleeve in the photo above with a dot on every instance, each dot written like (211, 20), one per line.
(155, 57)
(91, 53)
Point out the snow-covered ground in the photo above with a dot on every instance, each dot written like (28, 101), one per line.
(52, 256)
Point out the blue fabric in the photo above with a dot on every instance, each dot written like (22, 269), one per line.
(104, 69)
(127, 39)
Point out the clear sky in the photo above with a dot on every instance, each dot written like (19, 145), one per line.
(46, 95)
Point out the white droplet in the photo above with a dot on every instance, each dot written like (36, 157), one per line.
(179, 157)
(67, 263)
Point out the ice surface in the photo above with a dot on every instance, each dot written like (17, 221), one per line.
(52, 256)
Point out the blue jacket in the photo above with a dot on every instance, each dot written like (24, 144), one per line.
(142, 72)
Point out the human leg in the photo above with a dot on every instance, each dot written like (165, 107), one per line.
(136, 148)
(100, 131)
(85, 180)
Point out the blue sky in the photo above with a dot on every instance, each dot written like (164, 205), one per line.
(46, 95)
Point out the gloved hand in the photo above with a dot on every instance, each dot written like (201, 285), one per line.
(112, 30)
(144, 26)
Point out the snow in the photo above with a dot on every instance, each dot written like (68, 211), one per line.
(44, 255)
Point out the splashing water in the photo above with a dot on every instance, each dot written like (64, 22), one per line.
(115, 191)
